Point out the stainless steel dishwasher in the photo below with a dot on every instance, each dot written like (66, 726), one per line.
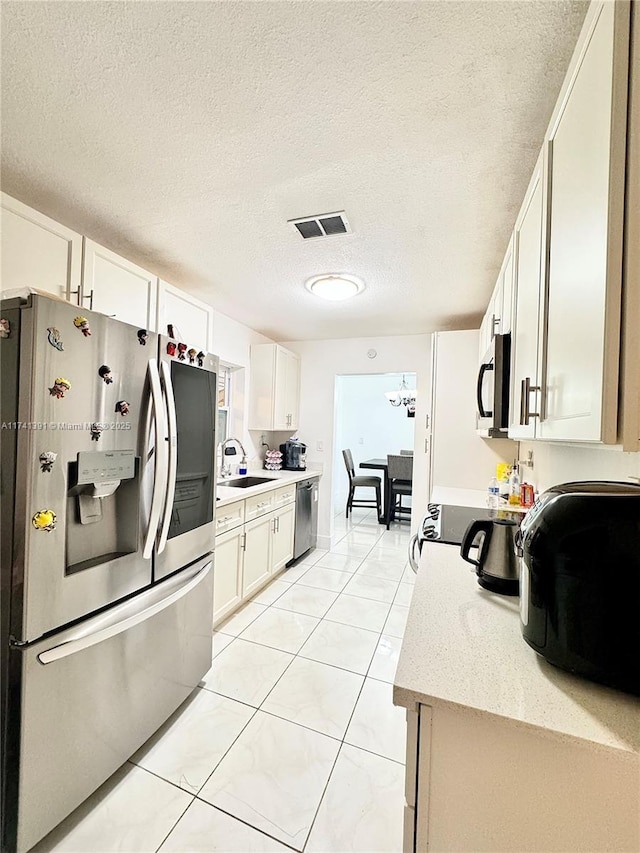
(306, 516)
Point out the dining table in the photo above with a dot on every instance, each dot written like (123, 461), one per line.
(380, 465)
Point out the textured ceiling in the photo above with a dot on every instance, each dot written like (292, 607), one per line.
(184, 136)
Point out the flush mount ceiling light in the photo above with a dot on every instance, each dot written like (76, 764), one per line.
(335, 286)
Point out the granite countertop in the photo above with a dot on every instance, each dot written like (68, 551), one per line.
(231, 494)
(463, 647)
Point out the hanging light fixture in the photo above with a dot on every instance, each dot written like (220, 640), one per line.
(404, 396)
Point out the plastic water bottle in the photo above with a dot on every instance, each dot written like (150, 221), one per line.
(493, 494)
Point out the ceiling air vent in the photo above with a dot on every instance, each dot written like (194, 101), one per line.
(324, 225)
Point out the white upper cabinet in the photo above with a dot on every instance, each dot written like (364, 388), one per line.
(117, 287)
(497, 318)
(275, 388)
(586, 156)
(192, 320)
(39, 252)
(525, 343)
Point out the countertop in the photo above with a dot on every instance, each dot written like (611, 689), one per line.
(230, 494)
(463, 647)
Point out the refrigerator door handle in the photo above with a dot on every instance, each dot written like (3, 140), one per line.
(173, 454)
(122, 619)
(160, 467)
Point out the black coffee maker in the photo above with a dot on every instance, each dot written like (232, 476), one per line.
(294, 455)
(579, 548)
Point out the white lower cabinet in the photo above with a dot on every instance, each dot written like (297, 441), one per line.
(480, 782)
(249, 554)
(227, 574)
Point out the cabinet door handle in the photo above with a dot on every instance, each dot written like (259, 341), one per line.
(495, 321)
(90, 298)
(528, 388)
(76, 293)
(278, 524)
(243, 542)
(262, 505)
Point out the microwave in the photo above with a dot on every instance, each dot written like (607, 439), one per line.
(492, 391)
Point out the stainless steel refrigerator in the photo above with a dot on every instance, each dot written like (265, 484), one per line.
(107, 502)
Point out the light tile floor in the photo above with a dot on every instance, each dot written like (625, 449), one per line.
(291, 741)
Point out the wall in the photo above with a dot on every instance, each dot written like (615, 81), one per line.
(558, 463)
(368, 425)
(321, 362)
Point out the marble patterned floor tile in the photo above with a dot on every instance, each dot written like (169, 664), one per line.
(362, 809)
(220, 642)
(239, 620)
(322, 578)
(273, 778)
(271, 592)
(366, 536)
(387, 569)
(404, 594)
(205, 829)
(341, 562)
(409, 576)
(294, 573)
(246, 671)
(359, 612)
(132, 811)
(315, 695)
(396, 621)
(307, 599)
(378, 589)
(341, 645)
(395, 552)
(281, 629)
(186, 749)
(398, 538)
(377, 724)
(385, 660)
(350, 549)
(312, 557)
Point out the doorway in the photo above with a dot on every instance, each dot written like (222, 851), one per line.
(367, 424)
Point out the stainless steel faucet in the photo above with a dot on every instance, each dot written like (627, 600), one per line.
(225, 470)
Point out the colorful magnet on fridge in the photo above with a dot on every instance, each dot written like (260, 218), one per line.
(142, 337)
(104, 372)
(54, 338)
(95, 430)
(123, 407)
(192, 355)
(5, 328)
(44, 519)
(200, 358)
(170, 331)
(171, 348)
(47, 458)
(182, 348)
(60, 385)
(83, 324)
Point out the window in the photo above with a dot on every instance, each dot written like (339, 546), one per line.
(224, 402)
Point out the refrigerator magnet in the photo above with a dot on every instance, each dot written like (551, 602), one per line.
(60, 385)
(104, 372)
(142, 337)
(47, 458)
(171, 348)
(44, 519)
(182, 348)
(5, 328)
(123, 407)
(82, 324)
(95, 430)
(192, 355)
(200, 358)
(53, 336)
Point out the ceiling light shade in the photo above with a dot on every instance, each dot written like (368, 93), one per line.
(335, 286)
(404, 396)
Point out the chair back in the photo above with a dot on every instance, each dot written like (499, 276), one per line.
(400, 467)
(406, 453)
(348, 463)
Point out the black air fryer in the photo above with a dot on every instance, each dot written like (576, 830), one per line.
(579, 552)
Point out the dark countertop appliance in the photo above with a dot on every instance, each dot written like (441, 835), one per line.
(579, 550)
(294, 455)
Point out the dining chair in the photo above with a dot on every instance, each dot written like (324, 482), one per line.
(400, 480)
(406, 453)
(360, 482)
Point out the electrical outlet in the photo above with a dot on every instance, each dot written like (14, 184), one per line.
(361, 441)
(320, 446)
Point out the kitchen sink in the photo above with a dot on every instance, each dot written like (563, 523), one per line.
(245, 482)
